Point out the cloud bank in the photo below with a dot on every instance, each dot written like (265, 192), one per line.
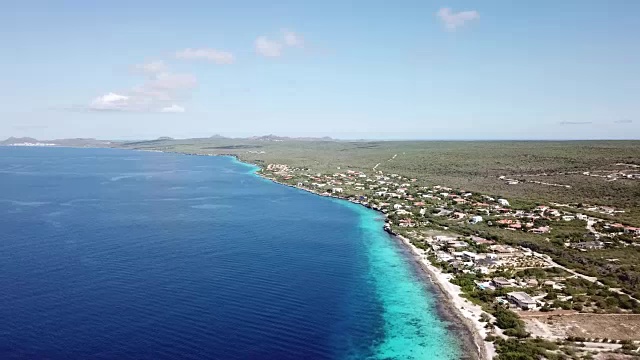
(160, 92)
(267, 47)
(213, 55)
(163, 90)
(454, 20)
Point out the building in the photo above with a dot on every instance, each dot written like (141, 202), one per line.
(522, 300)
(631, 230)
(503, 250)
(479, 240)
(588, 245)
(476, 219)
(501, 283)
(503, 202)
(457, 244)
(470, 256)
(541, 230)
(443, 256)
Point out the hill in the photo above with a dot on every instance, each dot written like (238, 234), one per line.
(18, 140)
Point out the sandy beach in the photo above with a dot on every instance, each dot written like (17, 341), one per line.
(467, 312)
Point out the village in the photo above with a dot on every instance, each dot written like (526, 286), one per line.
(455, 232)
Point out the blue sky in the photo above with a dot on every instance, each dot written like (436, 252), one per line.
(474, 69)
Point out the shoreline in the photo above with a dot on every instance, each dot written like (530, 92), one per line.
(464, 313)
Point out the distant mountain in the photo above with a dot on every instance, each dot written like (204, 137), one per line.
(90, 142)
(14, 140)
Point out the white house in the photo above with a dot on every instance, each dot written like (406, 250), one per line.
(443, 256)
(503, 202)
(469, 256)
(336, 190)
(475, 219)
(522, 300)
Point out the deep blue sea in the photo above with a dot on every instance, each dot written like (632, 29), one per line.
(114, 254)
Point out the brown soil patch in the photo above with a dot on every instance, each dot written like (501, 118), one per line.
(598, 326)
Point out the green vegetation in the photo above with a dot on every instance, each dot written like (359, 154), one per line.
(476, 166)
(509, 321)
(544, 173)
(530, 349)
(470, 165)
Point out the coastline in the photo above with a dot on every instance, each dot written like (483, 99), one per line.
(454, 308)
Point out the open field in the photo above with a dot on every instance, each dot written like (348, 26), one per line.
(589, 326)
(472, 165)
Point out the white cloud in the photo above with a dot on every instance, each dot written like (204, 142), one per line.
(453, 20)
(152, 67)
(216, 56)
(110, 101)
(273, 48)
(268, 48)
(172, 109)
(292, 39)
(159, 92)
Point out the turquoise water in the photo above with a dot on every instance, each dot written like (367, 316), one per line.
(411, 326)
(412, 329)
(112, 254)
